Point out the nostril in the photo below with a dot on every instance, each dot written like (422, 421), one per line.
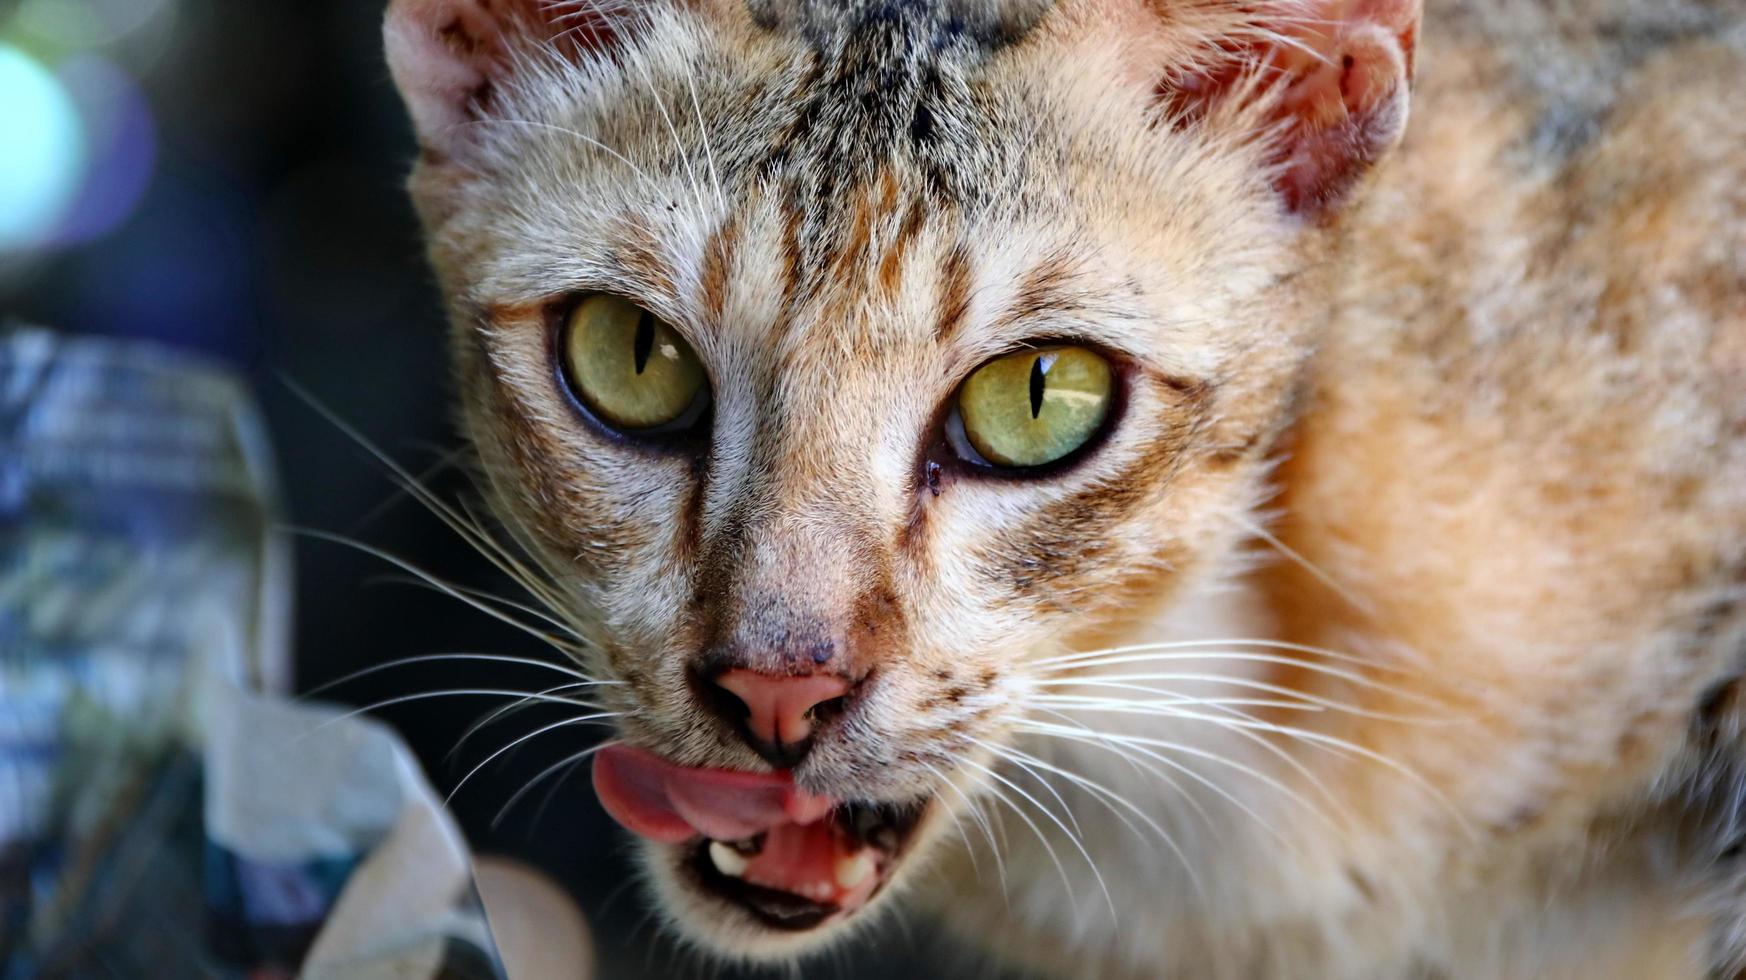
(824, 712)
(776, 714)
(721, 702)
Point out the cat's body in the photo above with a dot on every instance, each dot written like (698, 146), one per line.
(1522, 458)
(1439, 473)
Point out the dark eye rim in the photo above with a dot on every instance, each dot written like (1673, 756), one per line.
(949, 448)
(688, 433)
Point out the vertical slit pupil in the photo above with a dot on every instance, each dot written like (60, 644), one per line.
(645, 342)
(1036, 387)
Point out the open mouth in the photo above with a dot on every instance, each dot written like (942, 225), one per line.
(790, 859)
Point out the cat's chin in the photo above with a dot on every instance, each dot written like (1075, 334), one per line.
(711, 892)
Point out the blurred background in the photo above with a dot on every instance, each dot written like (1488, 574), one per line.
(225, 177)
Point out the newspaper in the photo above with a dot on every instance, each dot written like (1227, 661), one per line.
(166, 810)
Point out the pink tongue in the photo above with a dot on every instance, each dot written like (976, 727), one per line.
(669, 804)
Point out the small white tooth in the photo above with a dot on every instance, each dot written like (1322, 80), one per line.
(821, 890)
(853, 870)
(727, 860)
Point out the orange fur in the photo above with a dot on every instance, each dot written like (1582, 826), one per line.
(1438, 451)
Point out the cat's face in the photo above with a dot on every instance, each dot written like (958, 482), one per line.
(830, 241)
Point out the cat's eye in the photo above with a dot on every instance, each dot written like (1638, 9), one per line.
(1036, 407)
(632, 371)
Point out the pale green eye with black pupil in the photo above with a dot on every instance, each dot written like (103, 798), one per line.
(1036, 407)
(633, 371)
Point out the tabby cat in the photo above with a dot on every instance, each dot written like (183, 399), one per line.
(1089, 472)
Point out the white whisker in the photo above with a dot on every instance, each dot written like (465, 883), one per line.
(439, 584)
(484, 596)
(1105, 796)
(491, 717)
(584, 679)
(1220, 642)
(1171, 700)
(1140, 766)
(703, 135)
(578, 720)
(1242, 731)
(1136, 682)
(543, 775)
(958, 824)
(1357, 602)
(582, 137)
(996, 794)
(459, 520)
(1333, 743)
(1071, 837)
(455, 692)
(672, 130)
(1149, 747)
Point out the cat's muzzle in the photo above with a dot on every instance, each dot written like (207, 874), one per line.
(792, 860)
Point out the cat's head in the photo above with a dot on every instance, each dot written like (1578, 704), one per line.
(842, 361)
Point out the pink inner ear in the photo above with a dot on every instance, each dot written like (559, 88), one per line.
(450, 56)
(1348, 111)
(1345, 71)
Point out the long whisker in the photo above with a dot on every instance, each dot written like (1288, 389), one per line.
(1047, 786)
(993, 829)
(458, 519)
(672, 130)
(1149, 747)
(447, 459)
(703, 135)
(541, 777)
(1332, 742)
(546, 589)
(1105, 796)
(566, 131)
(1072, 837)
(1172, 710)
(1042, 838)
(502, 711)
(958, 824)
(578, 720)
(1068, 673)
(1141, 766)
(452, 693)
(439, 584)
(1219, 650)
(1234, 641)
(1357, 602)
(1164, 700)
(584, 679)
(1133, 682)
(483, 596)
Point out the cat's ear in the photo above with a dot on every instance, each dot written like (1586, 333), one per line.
(1328, 83)
(453, 59)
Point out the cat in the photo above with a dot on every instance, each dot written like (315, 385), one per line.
(1094, 474)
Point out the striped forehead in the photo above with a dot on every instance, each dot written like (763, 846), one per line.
(903, 277)
(892, 107)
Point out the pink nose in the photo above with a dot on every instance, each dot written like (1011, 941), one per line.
(779, 710)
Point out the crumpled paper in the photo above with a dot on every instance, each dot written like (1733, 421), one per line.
(165, 809)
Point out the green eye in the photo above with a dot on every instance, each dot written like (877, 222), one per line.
(1036, 407)
(632, 370)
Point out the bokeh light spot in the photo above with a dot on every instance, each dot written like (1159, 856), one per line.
(86, 23)
(121, 148)
(42, 150)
